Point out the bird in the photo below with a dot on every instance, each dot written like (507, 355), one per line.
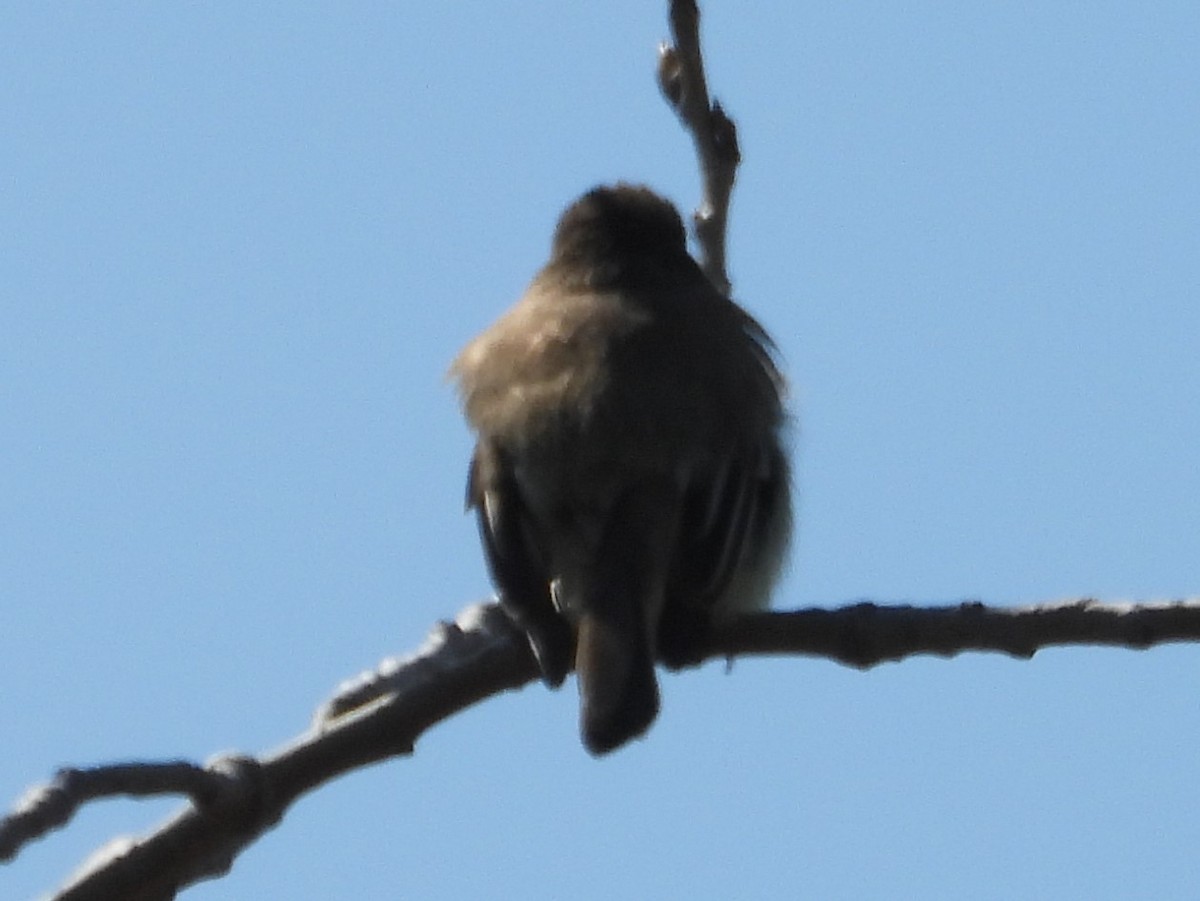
(630, 477)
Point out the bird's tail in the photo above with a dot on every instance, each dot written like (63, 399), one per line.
(618, 606)
(618, 691)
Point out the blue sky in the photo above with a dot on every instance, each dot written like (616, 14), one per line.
(239, 245)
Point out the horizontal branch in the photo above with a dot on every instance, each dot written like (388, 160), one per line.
(234, 799)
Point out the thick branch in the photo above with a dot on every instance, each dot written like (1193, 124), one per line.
(479, 656)
(382, 714)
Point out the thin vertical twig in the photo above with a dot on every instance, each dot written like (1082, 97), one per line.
(714, 135)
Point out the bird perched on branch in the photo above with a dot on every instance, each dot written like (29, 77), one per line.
(629, 478)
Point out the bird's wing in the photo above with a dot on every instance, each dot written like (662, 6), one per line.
(515, 564)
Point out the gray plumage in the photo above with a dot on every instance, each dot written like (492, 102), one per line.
(629, 477)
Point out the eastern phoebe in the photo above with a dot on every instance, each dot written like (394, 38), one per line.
(629, 477)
